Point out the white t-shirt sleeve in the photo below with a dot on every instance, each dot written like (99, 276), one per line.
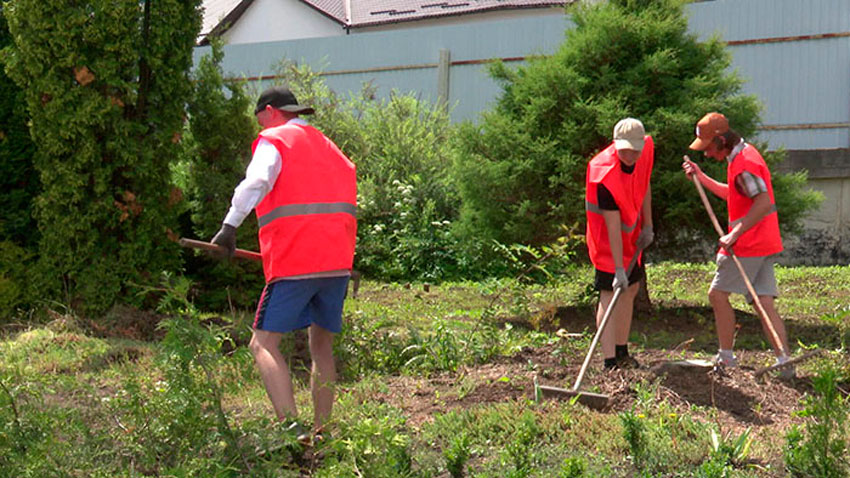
(259, 179)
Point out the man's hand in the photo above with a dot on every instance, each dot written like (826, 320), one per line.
(690, 168)
(226, 237)
(645, 238)
(620, 279)
(729, 240)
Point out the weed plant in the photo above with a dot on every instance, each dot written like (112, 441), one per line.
(822, 448)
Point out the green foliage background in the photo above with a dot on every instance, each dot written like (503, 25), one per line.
(401, 146)
(521, 171)
(218, 139)
(18, 185)
(104, 145)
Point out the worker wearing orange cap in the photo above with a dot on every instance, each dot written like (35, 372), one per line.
(753, 231)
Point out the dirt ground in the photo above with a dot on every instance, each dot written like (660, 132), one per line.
(741, 401)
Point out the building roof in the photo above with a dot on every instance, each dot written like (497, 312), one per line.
(376, 12)
(219, 15)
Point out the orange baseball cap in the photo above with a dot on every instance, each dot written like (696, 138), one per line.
(708, 128)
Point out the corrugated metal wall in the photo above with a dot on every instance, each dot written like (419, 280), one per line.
(795, 55)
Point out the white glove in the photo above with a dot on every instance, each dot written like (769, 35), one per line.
(620, 279)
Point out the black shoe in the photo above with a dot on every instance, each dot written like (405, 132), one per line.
(627, 363)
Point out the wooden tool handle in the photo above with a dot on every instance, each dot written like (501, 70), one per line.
(208, 246)
(602, 324)
(762, 313)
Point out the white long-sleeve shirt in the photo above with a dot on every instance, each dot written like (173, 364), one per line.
(260, 177)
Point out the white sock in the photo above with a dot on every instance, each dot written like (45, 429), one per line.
(726, 354)
(781, 359)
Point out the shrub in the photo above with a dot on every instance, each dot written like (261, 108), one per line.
(105, 84)
(19, 182)
(821, 449)
(401, 146)
(521, 172)
(219, 134)
(14, 279)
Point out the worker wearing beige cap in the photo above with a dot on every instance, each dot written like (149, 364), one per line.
(619, 227)
(753, 232)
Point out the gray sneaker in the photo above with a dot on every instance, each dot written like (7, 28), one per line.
(724, 362)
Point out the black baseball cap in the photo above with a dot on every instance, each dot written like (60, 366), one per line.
(281, 97)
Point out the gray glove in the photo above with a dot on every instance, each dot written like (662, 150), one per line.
(620, 279)
(645, 238)
(226, 237)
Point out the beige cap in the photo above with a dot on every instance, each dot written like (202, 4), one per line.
(628, 134)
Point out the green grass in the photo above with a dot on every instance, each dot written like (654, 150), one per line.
(416, 371)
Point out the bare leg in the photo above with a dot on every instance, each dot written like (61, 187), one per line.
(767, 302)
(323, 375)
(724, 318)
(274, 372)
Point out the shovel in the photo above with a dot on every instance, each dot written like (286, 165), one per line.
(596, 401)
(208, 246)
(761, 312)
(251, 255)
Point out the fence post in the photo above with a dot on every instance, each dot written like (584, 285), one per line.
(443, 78)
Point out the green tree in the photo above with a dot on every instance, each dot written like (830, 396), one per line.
(220, 131)
(18, 178)
(18, 186)
(105, 84)
(521, 172)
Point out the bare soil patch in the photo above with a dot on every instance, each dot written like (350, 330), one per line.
(740, 401)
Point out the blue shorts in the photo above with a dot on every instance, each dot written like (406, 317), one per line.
(288, 305)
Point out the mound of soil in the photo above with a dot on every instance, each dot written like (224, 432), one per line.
(740, 400)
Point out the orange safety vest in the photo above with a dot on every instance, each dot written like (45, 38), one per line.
(628, 190)
(308, 220)
(762, 239)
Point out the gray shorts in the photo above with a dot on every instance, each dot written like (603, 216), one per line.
(759, 270)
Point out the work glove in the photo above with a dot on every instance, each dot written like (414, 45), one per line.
(620, 279)
(645, 238)
(226, 237)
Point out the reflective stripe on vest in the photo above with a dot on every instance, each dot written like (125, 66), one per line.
(305, 209)
(590, 207)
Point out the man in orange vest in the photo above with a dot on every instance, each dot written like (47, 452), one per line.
(753, 231)
(619, 226)
(304, 191)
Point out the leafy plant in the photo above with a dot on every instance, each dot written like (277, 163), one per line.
(457, 454)
(634, 431)
(821, 448)
(519, 451)
(181, 416)
(573, 467)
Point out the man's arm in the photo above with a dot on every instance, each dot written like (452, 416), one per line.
(259, 179)
(760, 208)
(719, 189)
(615, 239)
(646, 208)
